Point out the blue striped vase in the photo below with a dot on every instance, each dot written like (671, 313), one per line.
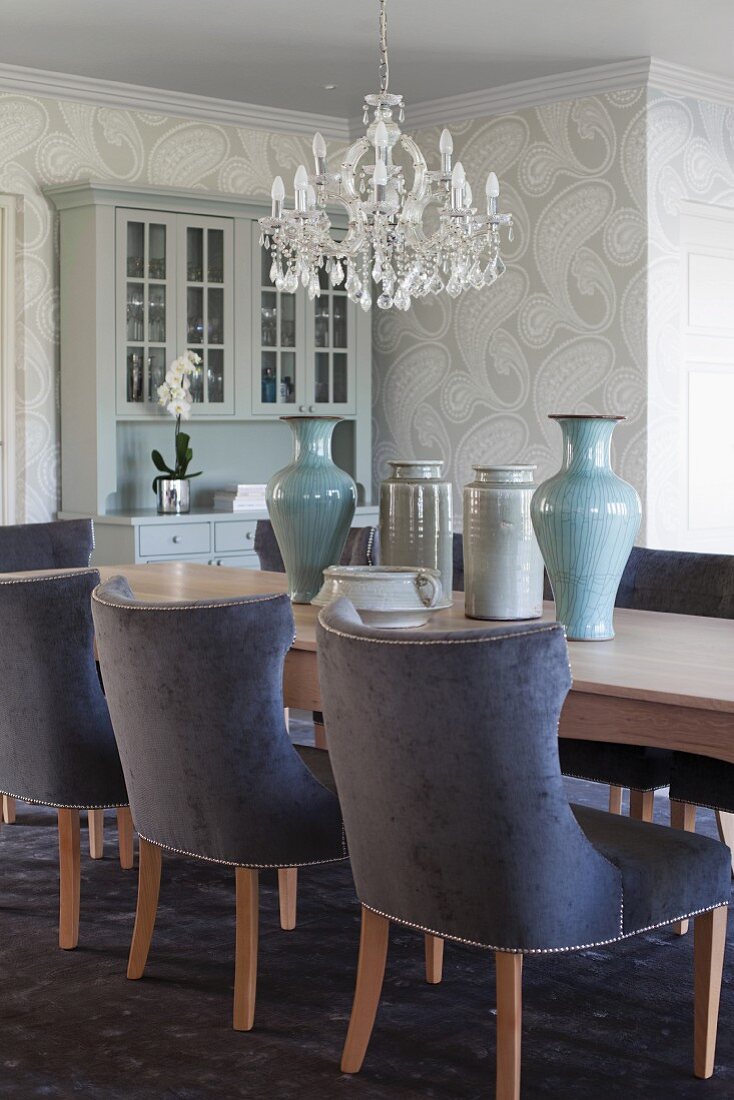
(311, 503)
(586, 520)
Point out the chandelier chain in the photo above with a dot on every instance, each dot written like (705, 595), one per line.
(384, 63)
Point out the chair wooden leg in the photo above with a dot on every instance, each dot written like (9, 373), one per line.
(125, 837)
(615, 800)
(149, 884)
(434, 959)
(319, 735)
(373, 942)
(509, 1024)
(245, 964)
(287, 717)
(95, 822)
(288, 896)
(69, 878)
(642, 804)
(709, 938)
(682, 816)
(8, 809)
(725, 825)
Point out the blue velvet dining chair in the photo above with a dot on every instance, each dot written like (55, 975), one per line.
(63, 544)
(56, 743)
(468, 835)
(195, 691)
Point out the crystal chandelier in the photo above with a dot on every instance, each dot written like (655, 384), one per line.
(386, 241)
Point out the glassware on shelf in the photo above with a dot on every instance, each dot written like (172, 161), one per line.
(156, 251)
(287, 321)
(215, 315)
(321, 389)
(287, 377)
(135, 374)
(197, 381)
(215, 376)
(156, 372)
(268, 385)
(195, 315)
(268, 319)
(339, 320)
(135, 314)
(194, 254)
(321, 323)
(157, 315)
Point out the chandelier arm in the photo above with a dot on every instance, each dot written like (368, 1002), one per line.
(352, 157)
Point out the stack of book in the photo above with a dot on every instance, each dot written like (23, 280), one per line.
(240, 498)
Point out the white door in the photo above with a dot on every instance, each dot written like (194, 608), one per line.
(7, 359)
(707, 263)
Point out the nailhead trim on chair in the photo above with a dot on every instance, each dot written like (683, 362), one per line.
(81, 572)
(183, 606)
(551, 628)
(65, 805)
(254, 866)
(545, 950)
(370, 544)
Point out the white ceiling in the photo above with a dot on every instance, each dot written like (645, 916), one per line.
(282, 52)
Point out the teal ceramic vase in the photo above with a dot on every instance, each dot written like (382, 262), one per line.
(586, 520)
(311, 503)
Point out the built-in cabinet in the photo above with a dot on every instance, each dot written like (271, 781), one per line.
(147, 274)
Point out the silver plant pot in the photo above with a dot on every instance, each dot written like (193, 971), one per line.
(173, 496)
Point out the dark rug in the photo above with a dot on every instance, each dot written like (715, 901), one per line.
(611, 1022)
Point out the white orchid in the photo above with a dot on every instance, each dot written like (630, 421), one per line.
(174, 395)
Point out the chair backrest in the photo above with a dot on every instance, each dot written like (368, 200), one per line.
(56, 740)
(361, 548)
(679, 583)
(195, 691)
(64, 544)
(445, 754)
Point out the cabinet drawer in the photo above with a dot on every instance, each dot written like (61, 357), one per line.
(169, 539)
(238, 561)
(234, 535)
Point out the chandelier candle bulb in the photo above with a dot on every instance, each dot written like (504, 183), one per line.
(381, 140)
(493, 190)
(446, 148)
(277, 193)
(458, 180)
(319, 152)
(300, 183)
(468, 194)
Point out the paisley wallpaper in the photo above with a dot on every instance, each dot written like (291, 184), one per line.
(564, 330)
(690, 157)
(593, 184)
(45, 141)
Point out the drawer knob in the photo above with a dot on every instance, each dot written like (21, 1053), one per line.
(176, 538)
(248, 535)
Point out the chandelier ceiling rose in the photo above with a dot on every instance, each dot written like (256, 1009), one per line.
(386, 243)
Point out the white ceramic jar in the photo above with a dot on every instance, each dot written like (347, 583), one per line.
(503, 566)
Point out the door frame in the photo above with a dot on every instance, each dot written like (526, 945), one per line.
(7, 357)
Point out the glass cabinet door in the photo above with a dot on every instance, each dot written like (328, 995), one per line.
(206, 306)
(331, 350)
(146, 305)
(278, 340)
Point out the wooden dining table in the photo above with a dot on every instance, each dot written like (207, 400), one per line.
(664, 680)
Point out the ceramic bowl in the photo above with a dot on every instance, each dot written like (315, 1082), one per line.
(385, 595)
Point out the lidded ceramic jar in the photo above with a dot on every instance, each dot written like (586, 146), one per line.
(503, 566)
(415, 518)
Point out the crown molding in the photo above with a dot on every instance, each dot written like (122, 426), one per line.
(135, 97)
(678, 80)
(618, 76)
(506, 98)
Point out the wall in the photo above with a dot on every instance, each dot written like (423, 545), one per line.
(563, 330)
(44, 141)
(690, 157)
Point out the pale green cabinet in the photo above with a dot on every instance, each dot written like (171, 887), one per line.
(147, 273)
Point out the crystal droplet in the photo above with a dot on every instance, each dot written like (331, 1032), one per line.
(274, 270)
(385, 301)
(365, 302)
(511, 234)
(453, 286)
